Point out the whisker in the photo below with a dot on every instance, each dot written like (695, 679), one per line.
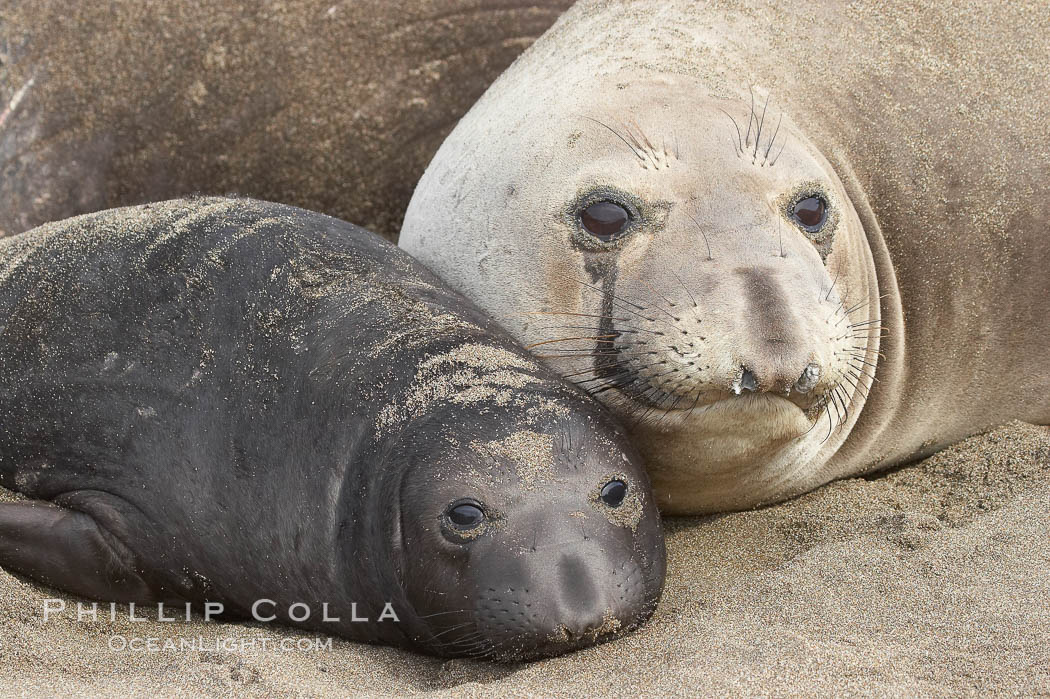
(623, 301)
(834, 281)
(862, 361)
(455, 611)
(616, 133)
(687, 290)
(779, 153)
(569, 339)
(637, 126)
(831, 422)
(567, 354)
(671, 303)
(700, 228)
(842, 401)
(568, 313)
(856, 385)
(622, 329)
(614, 296)
(775, 132)
(596, 369)
(751, 117)
(738, 149)
(453, 628)
(758, 133)
(629, 371)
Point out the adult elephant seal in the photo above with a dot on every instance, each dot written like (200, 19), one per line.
(333, 105)
(840, 268)
(239, 402)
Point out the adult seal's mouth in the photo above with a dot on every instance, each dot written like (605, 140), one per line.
(732, 428)
(645, 400)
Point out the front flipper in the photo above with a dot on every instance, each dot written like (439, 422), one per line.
(68, 550)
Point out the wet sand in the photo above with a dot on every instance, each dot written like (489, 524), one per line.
(933, 579)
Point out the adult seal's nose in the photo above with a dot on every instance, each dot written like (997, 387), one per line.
(784, 382)
(810, 377)
(774, 337)
(747, 382)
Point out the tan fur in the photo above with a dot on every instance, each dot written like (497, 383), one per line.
(923, 127)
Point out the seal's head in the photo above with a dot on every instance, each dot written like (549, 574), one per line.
(526, 543)
(525, 523)
(691, 259)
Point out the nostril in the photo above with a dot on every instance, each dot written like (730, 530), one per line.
(810, 377)
(746, 382)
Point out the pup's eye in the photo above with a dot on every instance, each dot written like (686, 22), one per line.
(604, 220)
(811, 213)
(465, 516)
(613, 493)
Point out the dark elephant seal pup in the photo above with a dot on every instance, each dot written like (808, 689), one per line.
(233, 401)
(842, 269)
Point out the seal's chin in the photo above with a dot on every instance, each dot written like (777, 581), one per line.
(733, 453)
(722, 440)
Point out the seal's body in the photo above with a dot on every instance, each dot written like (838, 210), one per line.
(839, 269)
(336, 107)
(232, 401)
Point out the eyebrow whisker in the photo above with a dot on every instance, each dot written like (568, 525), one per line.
(638, 154)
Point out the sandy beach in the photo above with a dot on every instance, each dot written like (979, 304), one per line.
(933, 580)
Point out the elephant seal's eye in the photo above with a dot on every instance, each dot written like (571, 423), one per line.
(811, 213)
(613, 493)
(604, 220)
(464, 516)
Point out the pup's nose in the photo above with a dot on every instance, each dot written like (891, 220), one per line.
(588, 611)
(579, 592)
